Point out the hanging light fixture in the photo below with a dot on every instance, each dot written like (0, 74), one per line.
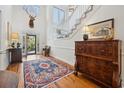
(32, 11)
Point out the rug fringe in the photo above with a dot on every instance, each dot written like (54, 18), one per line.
(58, 79)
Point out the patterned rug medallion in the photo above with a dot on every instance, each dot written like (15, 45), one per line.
(40, 73)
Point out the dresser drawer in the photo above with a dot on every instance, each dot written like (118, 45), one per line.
(83, 48)
(97, 49)
(79, 48)
(98, 69)
(103, 50)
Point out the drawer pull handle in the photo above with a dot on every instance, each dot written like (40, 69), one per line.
(79, 48)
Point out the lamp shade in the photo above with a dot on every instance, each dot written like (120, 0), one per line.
(86, 28)
(14, 36)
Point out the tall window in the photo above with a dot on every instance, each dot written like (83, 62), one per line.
(58, 15)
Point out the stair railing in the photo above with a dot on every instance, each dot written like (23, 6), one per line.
(71, 24)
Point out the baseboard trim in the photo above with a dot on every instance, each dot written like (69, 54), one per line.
(61, 47)
(4, 68)
(62, 60)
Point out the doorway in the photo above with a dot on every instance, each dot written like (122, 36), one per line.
(31, 44)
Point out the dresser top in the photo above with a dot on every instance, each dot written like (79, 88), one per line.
(100, 41)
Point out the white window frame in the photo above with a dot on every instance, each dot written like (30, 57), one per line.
(59, 23)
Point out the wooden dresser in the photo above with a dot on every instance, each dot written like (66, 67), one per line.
(100, 61)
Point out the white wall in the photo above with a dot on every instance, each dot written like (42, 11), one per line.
(64, 49)
(5, 17)
(19, 20)
(20, 23)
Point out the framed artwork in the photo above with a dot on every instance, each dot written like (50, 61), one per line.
(102, 30)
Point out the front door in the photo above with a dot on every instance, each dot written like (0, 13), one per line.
(31, 44)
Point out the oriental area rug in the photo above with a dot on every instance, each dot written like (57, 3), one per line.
(40, 73)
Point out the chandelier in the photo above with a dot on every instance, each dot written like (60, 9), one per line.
(32, 11)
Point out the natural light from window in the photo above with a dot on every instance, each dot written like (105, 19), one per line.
(58, 15)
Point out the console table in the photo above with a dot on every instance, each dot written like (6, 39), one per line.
(15, 55)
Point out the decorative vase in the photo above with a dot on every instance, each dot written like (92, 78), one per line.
(85, 37)
(13, 45)
(18, 45)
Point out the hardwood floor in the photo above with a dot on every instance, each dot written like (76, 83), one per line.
(71, 81)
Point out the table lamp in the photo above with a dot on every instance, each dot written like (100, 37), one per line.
(85, 35)
(14, 38)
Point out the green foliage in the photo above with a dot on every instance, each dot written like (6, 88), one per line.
(31, 44)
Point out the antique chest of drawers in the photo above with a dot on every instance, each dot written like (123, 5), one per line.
(99, 61)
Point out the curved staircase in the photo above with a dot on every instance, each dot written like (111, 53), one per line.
(69, 26)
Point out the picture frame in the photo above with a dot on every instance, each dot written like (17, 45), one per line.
(102, 30)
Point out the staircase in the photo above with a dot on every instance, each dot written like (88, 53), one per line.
(76, 15)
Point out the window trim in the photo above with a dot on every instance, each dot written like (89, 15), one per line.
(58, 18)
